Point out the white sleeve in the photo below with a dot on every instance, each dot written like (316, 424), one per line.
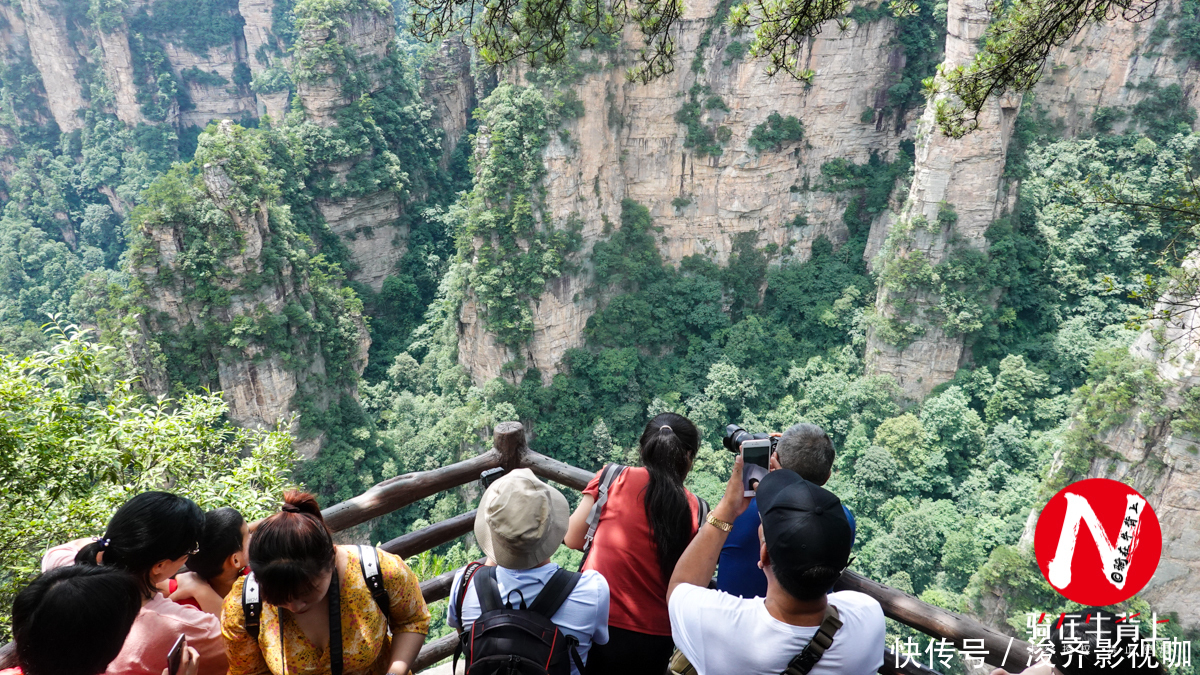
(686, 608)
(600, 635)
(452, 618)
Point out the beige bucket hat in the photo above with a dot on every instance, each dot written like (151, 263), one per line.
(521, 520)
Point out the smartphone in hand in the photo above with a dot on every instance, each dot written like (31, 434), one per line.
(175, 656)
(756, 462)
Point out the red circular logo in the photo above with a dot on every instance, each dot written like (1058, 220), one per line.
(1098, 542)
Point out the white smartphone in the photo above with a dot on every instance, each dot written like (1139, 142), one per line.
(756, 462)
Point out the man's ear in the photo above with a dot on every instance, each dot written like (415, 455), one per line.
(764, 558)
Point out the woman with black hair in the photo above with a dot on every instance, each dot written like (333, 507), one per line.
(311, 591)
(150, 537)
(223, 556)
(91, 609)
(647, 521)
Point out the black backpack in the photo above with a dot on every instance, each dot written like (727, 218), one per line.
(609, 475)
(516, 640)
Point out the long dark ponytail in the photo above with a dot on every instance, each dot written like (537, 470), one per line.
(668, 446)
(149, 528)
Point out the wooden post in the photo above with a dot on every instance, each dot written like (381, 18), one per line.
(509, 441)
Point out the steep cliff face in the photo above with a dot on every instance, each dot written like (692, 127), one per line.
(254, 339)
(266, 56)
(1103, 66)
(56, 59)
(960, 183)
(369, 35)
(448, 86)
(951, 176)
(117, 61)
(628, 144)
(1157, 451)
(357, 43)
(219, 95)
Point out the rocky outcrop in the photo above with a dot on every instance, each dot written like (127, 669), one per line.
(370, 34)
(212, 101)
(56, 59)
(118, 72)
(265, 52)
(962, 176)
(449, 88)
(627, 144)
(261, 387)
(369, 229)
(1104, 64)
(1162, 461)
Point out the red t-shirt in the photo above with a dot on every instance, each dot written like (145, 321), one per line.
(172, 586)
(625, 553)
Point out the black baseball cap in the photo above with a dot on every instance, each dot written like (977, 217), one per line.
(804, 524)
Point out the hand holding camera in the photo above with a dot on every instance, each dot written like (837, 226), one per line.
(756, 451)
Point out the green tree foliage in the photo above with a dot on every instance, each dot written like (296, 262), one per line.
(775, 131)
(77, 440)
(519, 251)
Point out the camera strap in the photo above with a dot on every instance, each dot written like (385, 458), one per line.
(335, 625)
(820, 642)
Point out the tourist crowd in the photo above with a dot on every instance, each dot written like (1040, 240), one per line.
(286, 599)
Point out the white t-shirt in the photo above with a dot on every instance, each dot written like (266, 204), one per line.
(583, 615)
(723, 634)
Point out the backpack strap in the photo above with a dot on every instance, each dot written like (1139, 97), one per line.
(368, 561)
(608, 476)
(465, 581)
(702, 513)
(251, 605)
(555, 592)
(816, 647)
(488, 591)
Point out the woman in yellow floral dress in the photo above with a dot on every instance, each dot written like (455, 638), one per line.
(294, 562)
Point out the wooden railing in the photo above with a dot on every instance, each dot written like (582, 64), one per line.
(510, 452)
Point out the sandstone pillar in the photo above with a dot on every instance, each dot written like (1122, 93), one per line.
(951, 176)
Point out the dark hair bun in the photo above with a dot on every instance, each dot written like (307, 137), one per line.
(302, 502)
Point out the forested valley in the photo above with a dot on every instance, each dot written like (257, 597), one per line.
(246, 245)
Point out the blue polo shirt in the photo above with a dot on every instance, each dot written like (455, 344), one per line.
(738, 573)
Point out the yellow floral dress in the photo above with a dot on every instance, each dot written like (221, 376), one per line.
(366, 647)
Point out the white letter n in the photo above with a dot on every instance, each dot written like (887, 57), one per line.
(1078, 509)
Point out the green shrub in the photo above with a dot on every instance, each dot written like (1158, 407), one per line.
(777, 130)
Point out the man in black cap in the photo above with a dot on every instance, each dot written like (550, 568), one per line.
(805, 546)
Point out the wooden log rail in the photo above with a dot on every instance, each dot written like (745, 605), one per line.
(510, 451)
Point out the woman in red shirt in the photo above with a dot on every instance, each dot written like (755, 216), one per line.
(647, 522)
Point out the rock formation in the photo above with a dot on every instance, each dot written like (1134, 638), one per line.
(265, 50)
(56, 59)
(960, 176)
(118, 72)
(213, 101)
(263, 386)
(627, 144)
(1157, 451)
(367, 224)
(448, 86)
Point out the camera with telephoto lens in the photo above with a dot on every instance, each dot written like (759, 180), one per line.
(735, 436)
